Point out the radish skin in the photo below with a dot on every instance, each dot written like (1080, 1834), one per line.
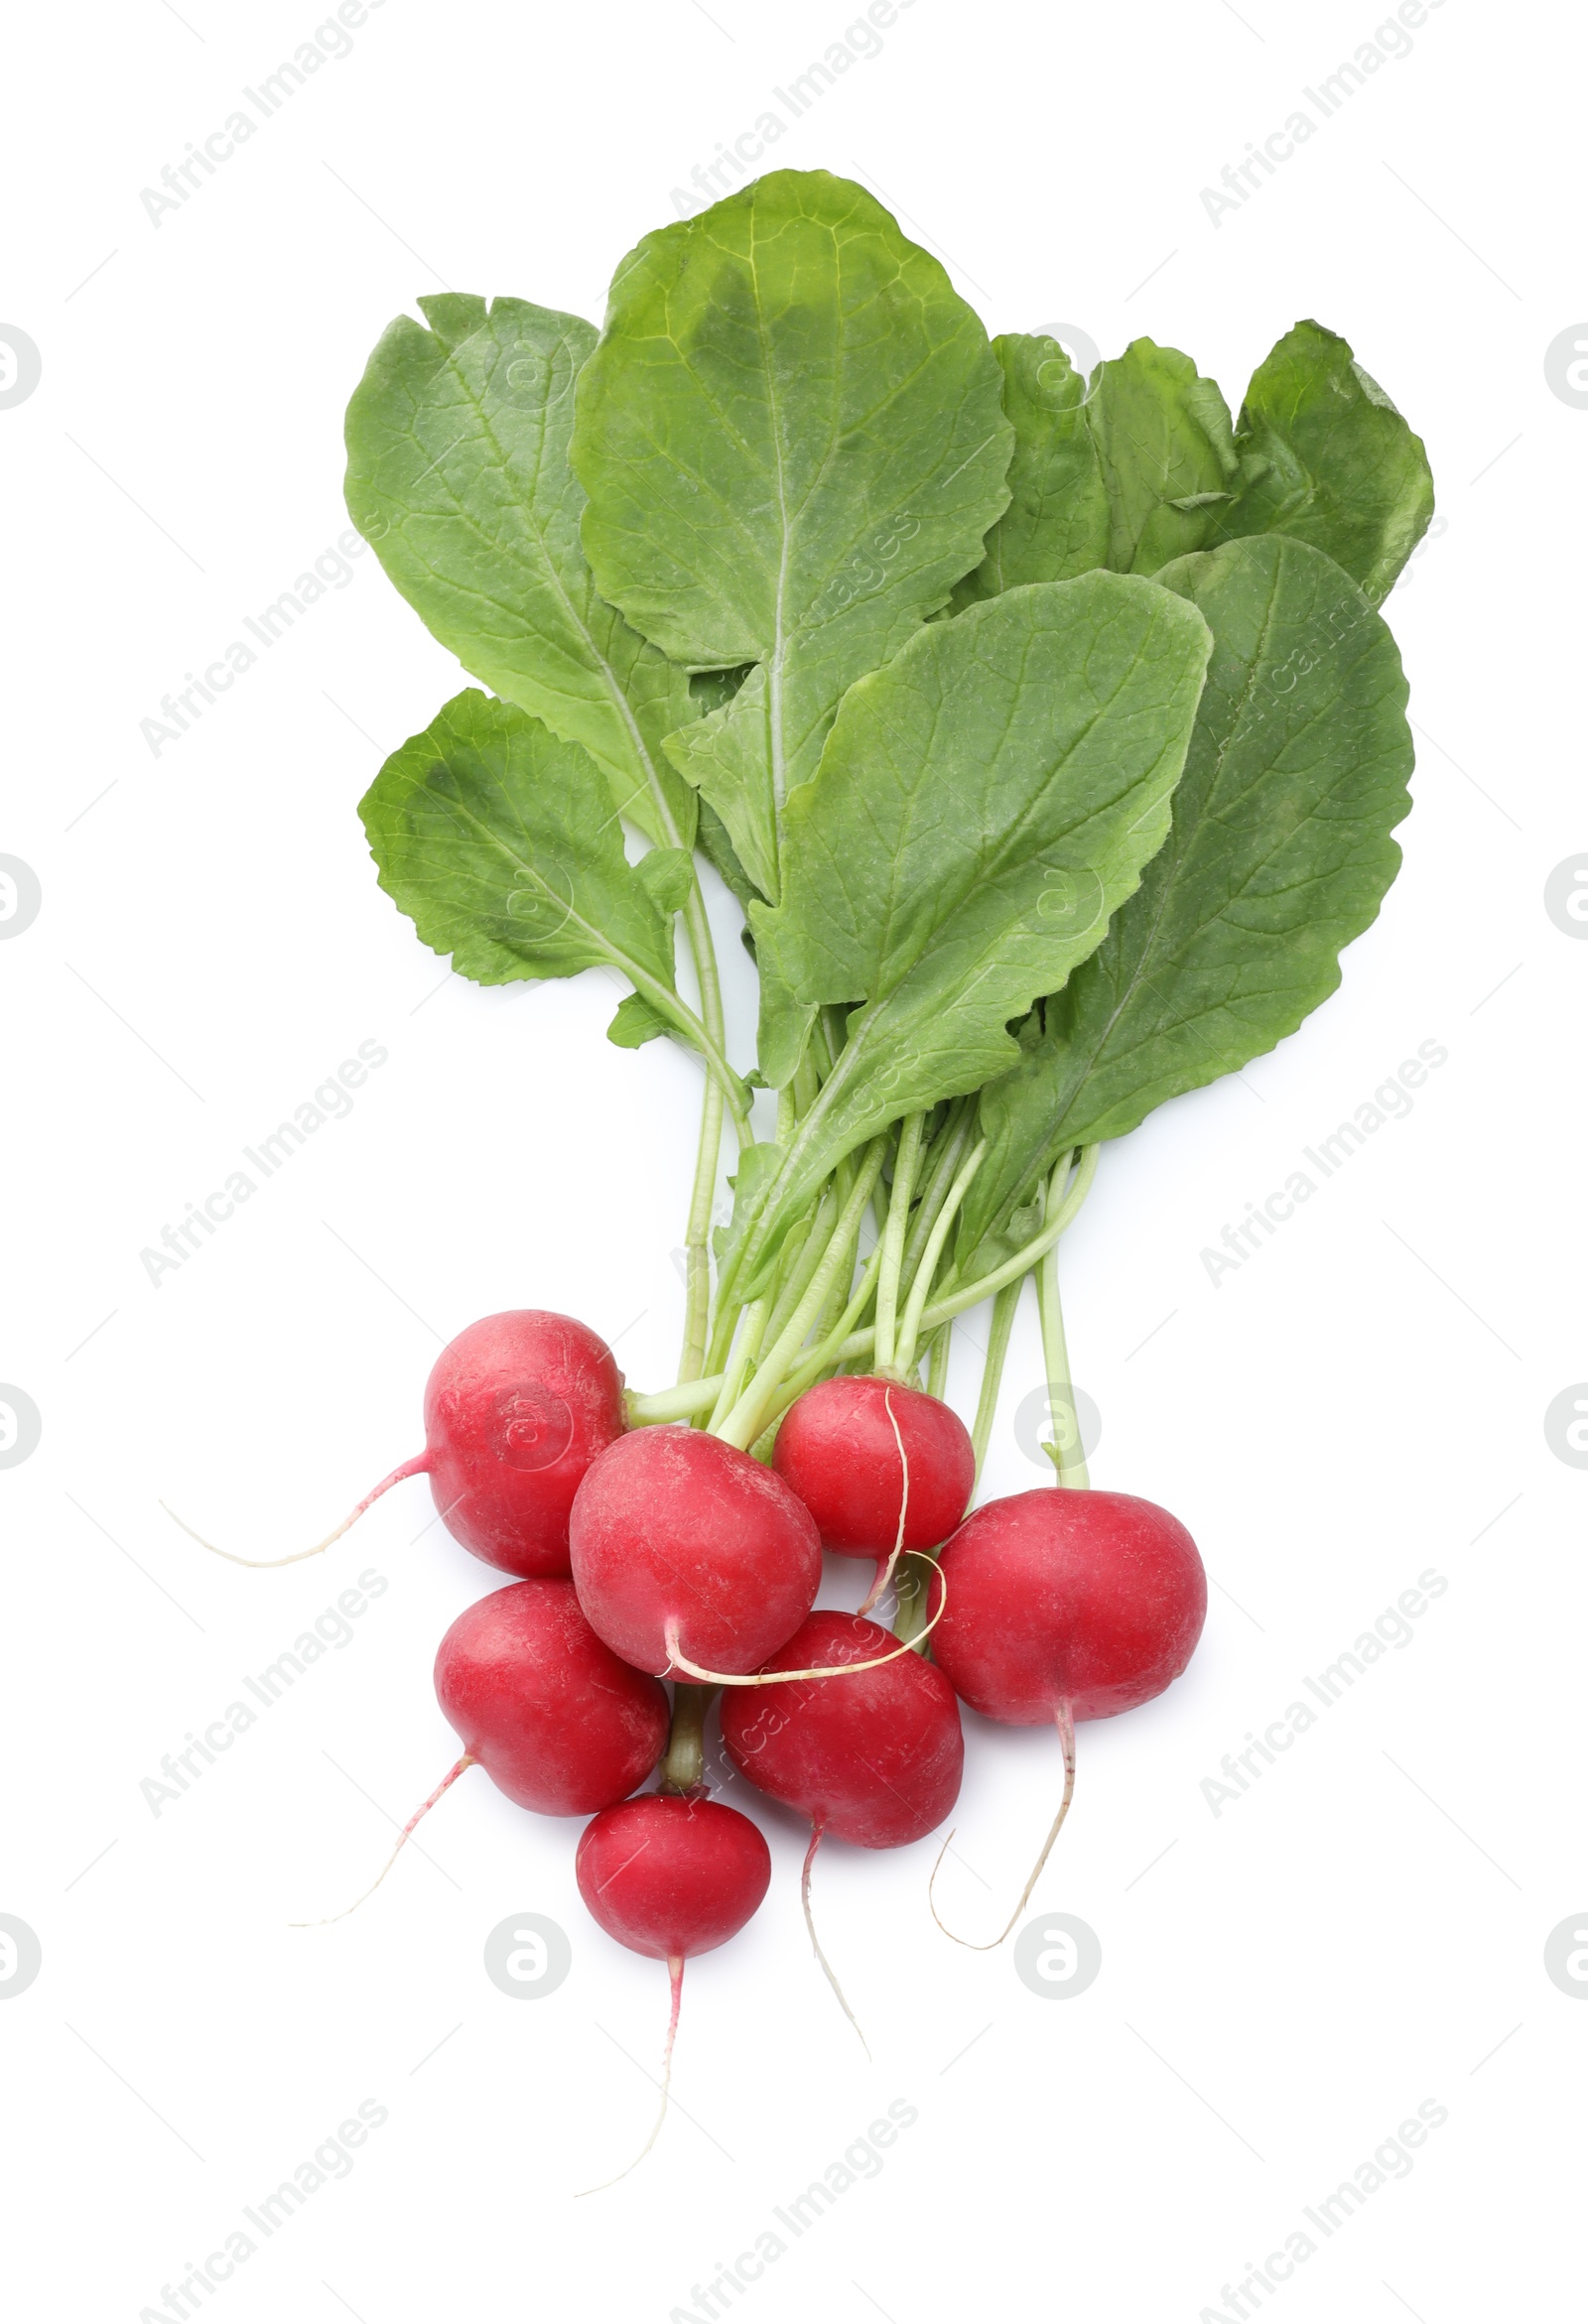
(558, 1724)
(516, 1408)
(1064, 1604)
(671, 1876)
(680, 1540)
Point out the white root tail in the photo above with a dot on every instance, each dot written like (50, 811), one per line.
(884, 1569)
(816, 1942)
(675, 1972)
(417, 1815)
(415, 1468)
(678, 1661)
(1065, 1724)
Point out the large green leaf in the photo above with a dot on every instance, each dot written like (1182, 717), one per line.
(1320, 454)
(1278, 853)
(793, 443)
(457, 474)
(1168, 454)
(502, 845)
(1326, 458)
(984, 801)
(1057, 523)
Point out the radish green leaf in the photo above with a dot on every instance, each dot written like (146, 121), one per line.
(984, 801)
(1057, 523)
(458, 475)
(792, 438)
(501, 842)
(1280, 852)
(1326, 458)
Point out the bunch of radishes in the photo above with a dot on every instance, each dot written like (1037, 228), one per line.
(661, 1552)
(1047, 735)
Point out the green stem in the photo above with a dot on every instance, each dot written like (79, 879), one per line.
(675, 1011)
(697, 1237)
(680, 1403)
(910, 1328)
(823, 1356)
(727, 1310)
(747, 1347)
(801, 1256)
(846, 1344)
(898, 1213)
(969, 1295)
(1069, 1464)
(937, 1371)
(948, 1152)
(912, 1580)
(997, 1348)
(745, 1423)
(684, 1761)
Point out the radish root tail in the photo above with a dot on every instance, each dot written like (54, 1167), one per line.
(1065, 1724)
(675, 1973)
(884, 1569)
(678, 1661)
(417, 1815)
(816, 1942)
(414, 1467)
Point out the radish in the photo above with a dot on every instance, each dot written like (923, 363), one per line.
(516, 1408)
(556, 1720)
(1067, 1604)
(686, 1552)
(883, 1468)
(671, 1876)
(544, 1706)
(874, 1760)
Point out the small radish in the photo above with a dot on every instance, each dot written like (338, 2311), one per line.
(544, 1706)
(1066, 1605)
(556, 1720)
(882, 1468)
(671, 1876)
(686, 1552)
(516, 1408)
(874, 1760)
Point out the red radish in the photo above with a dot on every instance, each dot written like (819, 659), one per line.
(687, 1553)
(516, 1408)
(874, 1760)
(556, 1720)
(883, 1468)
(671, 1876)
(1066, 1605)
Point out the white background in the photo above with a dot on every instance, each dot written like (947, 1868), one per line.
(1283, 1983)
